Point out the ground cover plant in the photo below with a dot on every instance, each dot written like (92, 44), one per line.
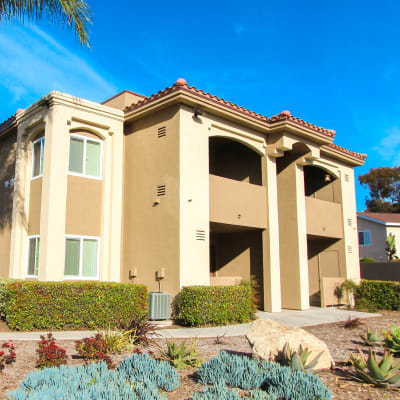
(243, 372)
(137, 377)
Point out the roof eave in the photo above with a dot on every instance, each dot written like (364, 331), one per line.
(187, 97)
(347, 158)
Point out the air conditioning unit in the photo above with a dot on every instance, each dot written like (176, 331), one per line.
(159, 306)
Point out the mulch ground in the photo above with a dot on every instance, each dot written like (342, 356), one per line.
(340, 341)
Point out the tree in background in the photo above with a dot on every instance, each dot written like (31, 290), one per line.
(391, 247)
(384, 189)
(73, 13)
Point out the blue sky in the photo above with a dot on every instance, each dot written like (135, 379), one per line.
(334, 63)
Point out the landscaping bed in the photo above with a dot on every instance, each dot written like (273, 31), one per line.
(340, 341)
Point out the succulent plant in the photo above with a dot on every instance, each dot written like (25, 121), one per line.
(383, 373)
(392, 340)
(181, 355)
(297, 360)
(371, 338)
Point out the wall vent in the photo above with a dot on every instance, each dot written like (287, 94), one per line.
(347, 177)
(161, 132)
(161, 189)
(200, 235)
(349, 222)
(350, 249)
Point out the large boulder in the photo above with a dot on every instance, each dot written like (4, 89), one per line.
(267, 338)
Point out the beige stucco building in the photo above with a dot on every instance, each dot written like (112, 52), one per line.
(181, 185)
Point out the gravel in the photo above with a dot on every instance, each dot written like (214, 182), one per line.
(341, 343)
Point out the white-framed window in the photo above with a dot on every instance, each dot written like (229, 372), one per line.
(364, 238)
(85, 156)
(37, 157)
(81, 257)
(33, 256)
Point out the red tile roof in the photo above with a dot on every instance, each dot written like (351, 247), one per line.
(384, 217)
(360, 156)
(181, 85)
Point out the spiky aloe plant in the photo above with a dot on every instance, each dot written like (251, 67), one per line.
(392, 340)
(181, 355)
(383, 373)
(371, 338)
(297, 360)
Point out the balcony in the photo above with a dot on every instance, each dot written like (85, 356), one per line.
(237, 203)
(324, 218)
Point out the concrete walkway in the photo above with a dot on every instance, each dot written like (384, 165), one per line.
(295, 319)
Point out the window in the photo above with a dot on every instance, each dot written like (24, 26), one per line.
(33, 256)
(37, 157)
(85, 156)
(81, 257)
(364, 238)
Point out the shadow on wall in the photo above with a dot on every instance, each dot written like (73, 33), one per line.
(7, 174)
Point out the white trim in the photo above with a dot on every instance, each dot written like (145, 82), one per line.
(85, 139)
(41, 140)
(36, 267)
(379, 221)
(79, 276)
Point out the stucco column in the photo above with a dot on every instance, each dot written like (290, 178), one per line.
(19, 228)
(113, 182)
(293, 237)
(194, 218)
(350, 233)
(54, 195)
(270, 239)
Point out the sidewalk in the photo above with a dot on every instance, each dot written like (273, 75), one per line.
(295, 319)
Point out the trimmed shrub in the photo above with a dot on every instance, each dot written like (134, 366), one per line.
(4, 295)
(378, 295)
(216, 305)
(63, 305)
(250, 374)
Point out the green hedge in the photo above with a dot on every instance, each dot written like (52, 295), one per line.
(216, 305)
(4, 295)
(378, 295)
(72, 305)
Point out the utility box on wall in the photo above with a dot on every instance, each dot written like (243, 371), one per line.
(159, 306)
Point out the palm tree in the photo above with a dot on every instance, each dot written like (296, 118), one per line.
(74, 13)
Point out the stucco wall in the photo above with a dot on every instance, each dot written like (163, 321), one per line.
(376, 249)
(35, 202)
(7, 172)
(84, 206)
(151, 223)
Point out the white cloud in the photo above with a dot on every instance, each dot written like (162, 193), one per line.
(389, 146)
(32, 64)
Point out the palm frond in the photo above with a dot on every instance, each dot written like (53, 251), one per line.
(76, 14)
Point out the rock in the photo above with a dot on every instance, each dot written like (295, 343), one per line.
(267, 338)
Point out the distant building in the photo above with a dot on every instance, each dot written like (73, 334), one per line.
(373, 229)
(181, 184)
